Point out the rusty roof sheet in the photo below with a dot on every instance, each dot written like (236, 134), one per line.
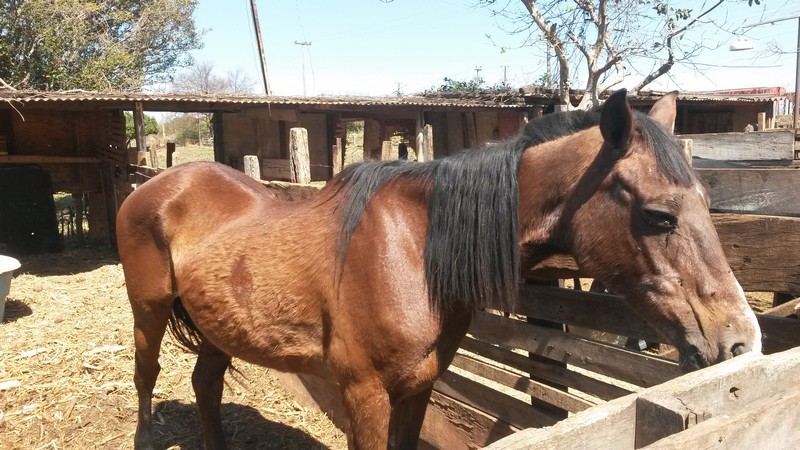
(477, 101)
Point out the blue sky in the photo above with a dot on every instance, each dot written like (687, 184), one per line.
(369, 47)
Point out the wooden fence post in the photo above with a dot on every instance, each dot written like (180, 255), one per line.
(299, 162)
(762, 121)
(427, 142)
(687, 148)
(141, 140)
(170, 153)
(251, 167)
(336, 157)
(386, 150)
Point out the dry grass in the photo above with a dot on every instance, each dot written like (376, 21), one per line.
(66, 370)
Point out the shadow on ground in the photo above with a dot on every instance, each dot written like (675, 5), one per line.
(177, 424)
(71, 261)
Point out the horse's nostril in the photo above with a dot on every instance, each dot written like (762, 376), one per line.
(738, 348)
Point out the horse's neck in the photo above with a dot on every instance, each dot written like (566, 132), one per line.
(548, 175)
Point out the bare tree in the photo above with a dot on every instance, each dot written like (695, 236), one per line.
(200, 79)
(609, 37)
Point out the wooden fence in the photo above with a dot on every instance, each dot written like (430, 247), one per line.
(516, 371)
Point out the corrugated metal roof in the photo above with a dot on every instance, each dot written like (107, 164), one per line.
(719, 96)
(478, 101)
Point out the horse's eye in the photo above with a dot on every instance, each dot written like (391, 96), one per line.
(660, 218)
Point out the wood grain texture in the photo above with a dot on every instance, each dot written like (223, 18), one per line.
(773, 191)
(639, 369)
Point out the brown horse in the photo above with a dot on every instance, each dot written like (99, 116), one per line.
(371, 282)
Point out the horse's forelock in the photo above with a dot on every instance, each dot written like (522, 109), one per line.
(669, 158)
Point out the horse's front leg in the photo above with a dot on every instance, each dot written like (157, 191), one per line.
(207, 381)
(367, 404)
(406, 421)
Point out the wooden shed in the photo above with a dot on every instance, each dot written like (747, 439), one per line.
(79, 137)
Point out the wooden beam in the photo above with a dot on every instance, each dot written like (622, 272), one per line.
(759, 145)
(635, 368)
(540, 391)
(141, 140)
(556, 374)
(771, 422)
(450, 424)
(757, 247)
(479, 396)
(47, 159)
(784, 309)
(170, 153)
(772, 191)
(336, 157)
(659, 415)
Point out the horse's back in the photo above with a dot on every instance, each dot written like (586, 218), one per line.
(184, 199)
(173, 213)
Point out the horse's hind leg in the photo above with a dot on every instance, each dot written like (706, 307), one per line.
(207, 380)
(406, 421)
(149, 324)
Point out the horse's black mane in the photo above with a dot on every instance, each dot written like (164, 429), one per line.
(471, 250)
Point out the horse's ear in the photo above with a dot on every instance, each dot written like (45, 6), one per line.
(663, 111)
(616, 120)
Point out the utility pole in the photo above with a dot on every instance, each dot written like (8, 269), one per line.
(398, 91)
(478, 72)
(303, 58)
(505, 76)
(267, 91)
(548, 75)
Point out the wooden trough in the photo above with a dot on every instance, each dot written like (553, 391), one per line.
(747, 402)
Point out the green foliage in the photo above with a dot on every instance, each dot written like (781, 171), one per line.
(183, 128)
(150, 127)
(450, 85)
(94, 44)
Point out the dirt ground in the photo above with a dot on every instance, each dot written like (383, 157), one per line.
(66, 371)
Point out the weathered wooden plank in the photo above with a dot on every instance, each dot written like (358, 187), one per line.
(766, 145)
(609, 313)
(659, 415)
(732, 389)
(47, 159)
(639, 369)
(773, 191)
(516, 412)
(450, 424)
(562, 375)
(276, 168)
(784, 310)
(605, 427)
(759, 249)
(770, 423)
(762, 250)
(522, 384)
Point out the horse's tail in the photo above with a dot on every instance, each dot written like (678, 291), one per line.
(183, 329)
